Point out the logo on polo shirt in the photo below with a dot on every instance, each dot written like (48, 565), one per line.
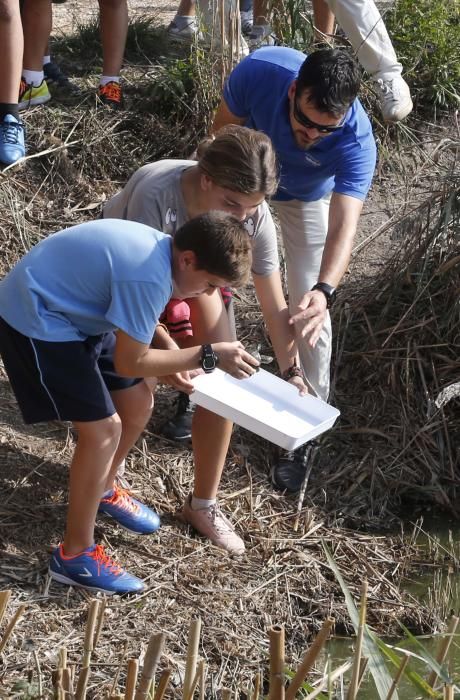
(313, 161)
(250, 226)
(171, 216)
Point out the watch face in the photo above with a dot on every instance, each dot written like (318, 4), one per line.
(208, 363)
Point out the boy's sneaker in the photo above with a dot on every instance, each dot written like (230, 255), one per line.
(261, 35)
(93, 569)
(246, 21)
(180, 427)
(214, 525)
(288, 472)
(57, 79)
(395, 99)
(30, 95)
(12, 146)
(110, 95)
(184, 34)
(129, 513)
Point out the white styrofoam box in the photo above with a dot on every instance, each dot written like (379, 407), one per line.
(266, 405)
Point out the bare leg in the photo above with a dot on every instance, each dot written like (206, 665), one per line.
(93, 457)
(114, 29)
(11, 50)
(134, 406)
(324, 19)
(210, 433)
(37, 21)
(186, 8)
(260, 12)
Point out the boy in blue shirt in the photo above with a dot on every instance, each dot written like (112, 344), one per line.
(77, 317)
(326, 151)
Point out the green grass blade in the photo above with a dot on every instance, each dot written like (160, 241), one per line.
(376, 660)
(412, 676)
(429, 660)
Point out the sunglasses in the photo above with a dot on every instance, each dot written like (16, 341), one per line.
(305, 121)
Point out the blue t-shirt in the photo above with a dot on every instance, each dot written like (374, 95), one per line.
(343, 162)
(90, 279)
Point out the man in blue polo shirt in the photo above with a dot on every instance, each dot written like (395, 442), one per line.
(326, 153)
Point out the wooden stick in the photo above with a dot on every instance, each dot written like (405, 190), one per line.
(202, 680)
(88, 644)
(443, 648)
(276, 636)
(10, 627)
(196, 680)
(163, 684)
(39, 673)
(152, 656)
(448, 692)
(67, 681)
(256, 691)
(397, 678)
(4, 598)
(120, 666)
(362, 668)
(309, 658)
(100, 621)
(192, 656)
(62, 663)
(131, 678)
(353, 687)
(80, 693)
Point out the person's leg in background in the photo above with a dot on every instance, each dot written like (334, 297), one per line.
(304, 228)
(366, 31)
(114, 29)
(12, 146)
(183, 28)
(246, 16)
(36, 22)
(261, 32)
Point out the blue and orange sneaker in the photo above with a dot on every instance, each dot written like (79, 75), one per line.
(129, 513)
(93, 569)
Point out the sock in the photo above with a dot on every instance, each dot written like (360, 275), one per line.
(109, 79)
(7, 108)
(46, 59)
(182, 21)
(33, 77)
(200, 503)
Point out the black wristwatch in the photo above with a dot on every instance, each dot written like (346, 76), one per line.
(209, 359)
(328, 291)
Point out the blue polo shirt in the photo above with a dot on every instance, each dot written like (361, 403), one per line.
(343, 162)
(88, 280)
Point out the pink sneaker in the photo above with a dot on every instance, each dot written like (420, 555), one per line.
(212, 523)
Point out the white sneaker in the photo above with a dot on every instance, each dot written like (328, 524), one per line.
(246, 21)
(185, 34)
(261, 35)
(395, 99)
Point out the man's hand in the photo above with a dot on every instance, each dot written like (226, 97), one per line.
(234, 359)
(299, 383)
(310, 315)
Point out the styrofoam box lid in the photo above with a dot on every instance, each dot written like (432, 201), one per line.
(266, 405)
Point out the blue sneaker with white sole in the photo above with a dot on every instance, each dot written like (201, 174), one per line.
(94, 570)
(129, 513)
(12, 146)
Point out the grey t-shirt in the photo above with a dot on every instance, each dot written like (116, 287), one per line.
(153, 196)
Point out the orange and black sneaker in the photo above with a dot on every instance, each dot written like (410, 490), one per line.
(110, 95)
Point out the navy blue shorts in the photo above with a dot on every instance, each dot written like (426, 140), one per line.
(68, 381)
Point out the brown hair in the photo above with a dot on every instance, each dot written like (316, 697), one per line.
(221, 245)
(240, 159)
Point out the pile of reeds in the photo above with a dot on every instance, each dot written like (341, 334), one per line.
(398, 369)
(154, 675)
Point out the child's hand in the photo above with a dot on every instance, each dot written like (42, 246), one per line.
(179, 380)
(234, 359)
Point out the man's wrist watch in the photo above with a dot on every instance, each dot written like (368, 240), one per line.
(328, 291)
(209, 359)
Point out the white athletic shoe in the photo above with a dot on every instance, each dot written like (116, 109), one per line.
(261, 35)
(395, 99)
(185, 34)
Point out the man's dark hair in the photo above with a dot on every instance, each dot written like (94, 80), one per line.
(221, 244)
(332, 77)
